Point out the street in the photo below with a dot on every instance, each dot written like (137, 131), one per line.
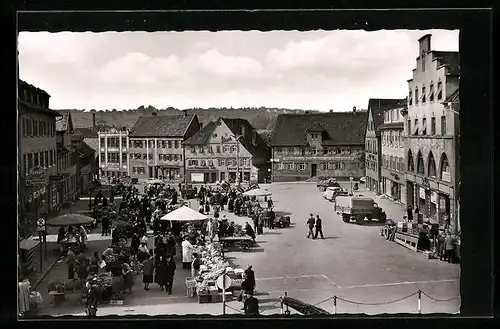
(353, 262)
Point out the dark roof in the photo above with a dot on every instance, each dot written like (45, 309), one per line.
(235, 125)
(260, 149)
(454, 97)
(85, 150)
(202, 136)
(34, 107)
(22, 83)
(86, 132)
(63, 123)
(340, 128)
(378, 105)
(161, 126)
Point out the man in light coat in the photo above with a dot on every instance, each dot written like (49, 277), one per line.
(187, 253)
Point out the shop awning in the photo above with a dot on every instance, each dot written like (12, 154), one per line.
(184, 214)
(28, 244)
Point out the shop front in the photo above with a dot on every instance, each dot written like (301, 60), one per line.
(433, 199)
(393, 185)
(202, 175)
(167, 172)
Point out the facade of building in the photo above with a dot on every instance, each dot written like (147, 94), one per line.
(37, 152)
(212, 154)
(373, 143)
(156, 146)
(431, 132)
(86, 165)
(113, 154)
(67, 158)
(309, 145)
(393, 155)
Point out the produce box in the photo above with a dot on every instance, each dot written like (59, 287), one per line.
(190, 282)
(191, 292)
(217, 298)
(204, 299)
(236, 282)
(213, 291)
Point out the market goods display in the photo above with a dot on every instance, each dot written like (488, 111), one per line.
(136, 267)
(66, 287)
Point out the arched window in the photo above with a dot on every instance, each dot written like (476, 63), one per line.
(431, 169)
(445, 168)
(411, 165)
(420, 164)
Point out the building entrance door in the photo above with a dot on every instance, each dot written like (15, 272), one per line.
(314, 169)
(214, 177)
(150, 172)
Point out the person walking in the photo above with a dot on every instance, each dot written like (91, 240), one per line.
(105, 225)
(148, 267)
(251, 305)
(161, 272)
(319, 228)
(170, 272)
(449, 245)
(128, 277)
(310, 224)
(409, 212)
(71, 261)
(272, 218)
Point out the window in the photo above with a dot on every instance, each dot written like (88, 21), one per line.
(302, 166)
(124, 142)
(443, 125)
(408, 128)
(210, 149)
(433, 126)
(416, 96)
(46, 157)
(424, 126)
(411, 165)
(36, 159)
(35, 128)
(420, 164)
(150, 156)
(210, 163)
(410, 98)
(169, 144)
(103, 158)
(144, 156)
(416, 127)
(431, 170)
(314, 136)
(176, 144)
(102, 141)
(222, 162)
(440, 90)
(423, 95)
(192, 162)
(431, 92)
(445, 169)
(201, 149)
(233, 148)
(290, 166)
(217, 149)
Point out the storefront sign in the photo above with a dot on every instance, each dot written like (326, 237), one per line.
(316, 158)
(36, 172)
(396, 177)
(36, 181)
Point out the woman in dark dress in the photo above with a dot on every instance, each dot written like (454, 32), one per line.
(169, 274)
(134, 244)
(161, 272)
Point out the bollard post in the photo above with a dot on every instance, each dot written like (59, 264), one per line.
(334, 304)
(419, 302)
(281, 303)
(287, 311)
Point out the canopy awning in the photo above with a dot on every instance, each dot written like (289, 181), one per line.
(184, 214)
(258, 192)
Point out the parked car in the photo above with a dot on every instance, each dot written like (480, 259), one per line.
(362, 180)
(324, 184)
(332, 192)
(358, 208)
(188, 191)
(282, 221)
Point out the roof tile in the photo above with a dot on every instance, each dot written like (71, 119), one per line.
(161, 126)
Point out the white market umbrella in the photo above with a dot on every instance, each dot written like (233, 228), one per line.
(155, 181)
(184, 214)
(258, 192)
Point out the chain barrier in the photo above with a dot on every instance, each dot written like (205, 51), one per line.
(239, 311)
(382, 303)
(439, 300)
(272, 306)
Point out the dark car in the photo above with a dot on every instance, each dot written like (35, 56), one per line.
(188, 192)
(282, 221)
(324, 184)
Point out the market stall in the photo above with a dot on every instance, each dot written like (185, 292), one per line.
(70, 238)
(185, 215)
(212, 267)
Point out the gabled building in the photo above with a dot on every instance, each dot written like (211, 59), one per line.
(319, 144)
(38, 193)
(113, 154)
(227, 149)
(373, 146)
(67, 157)
(156, 146)
(431, 135)
(393, 154)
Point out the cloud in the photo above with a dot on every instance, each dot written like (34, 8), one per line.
(312, 70)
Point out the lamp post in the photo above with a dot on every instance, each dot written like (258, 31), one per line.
(449, 106)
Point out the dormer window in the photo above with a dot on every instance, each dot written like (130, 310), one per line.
(314, 136)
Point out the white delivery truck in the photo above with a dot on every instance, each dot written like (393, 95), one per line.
(358, 208)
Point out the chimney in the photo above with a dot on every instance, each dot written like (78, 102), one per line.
(93, 122)
(354, 108)
(424, 44)
(153, 113)
(331, 111)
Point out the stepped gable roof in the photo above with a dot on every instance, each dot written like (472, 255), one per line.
(378, 105)
(161, 126)
(86, 132)
(338, 128)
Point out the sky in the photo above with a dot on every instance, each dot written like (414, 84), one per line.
(312, 70)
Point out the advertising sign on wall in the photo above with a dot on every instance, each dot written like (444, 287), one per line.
(196, 177)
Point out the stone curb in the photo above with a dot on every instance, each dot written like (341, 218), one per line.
(45, 272)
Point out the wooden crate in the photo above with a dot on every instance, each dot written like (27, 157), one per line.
(191, 292)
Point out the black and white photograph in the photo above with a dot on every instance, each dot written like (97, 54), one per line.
(239, 172)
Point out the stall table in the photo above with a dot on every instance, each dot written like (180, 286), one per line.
(242, 242)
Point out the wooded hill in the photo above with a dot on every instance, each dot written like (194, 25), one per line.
(262, 119)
